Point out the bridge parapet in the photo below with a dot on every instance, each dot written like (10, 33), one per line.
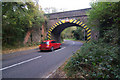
(69, 14)
(75, 14)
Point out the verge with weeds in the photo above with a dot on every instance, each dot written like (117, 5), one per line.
(94, 60)
(99, 59)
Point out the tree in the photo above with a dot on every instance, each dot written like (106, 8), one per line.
(99, 59)
(50, 9)
(67, 33)
(78, 33)
(105, 17)
(19, 18)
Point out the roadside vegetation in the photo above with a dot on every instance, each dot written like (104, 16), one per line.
(99, 59)
(19, 19)
(67, 33)
(73, 33)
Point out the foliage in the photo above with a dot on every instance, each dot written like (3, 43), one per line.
(17, 19)
(95, 60)
(73, 32)
(50, 9)
(79, 34)
(67, 33)
(99, 59)
(105, 18)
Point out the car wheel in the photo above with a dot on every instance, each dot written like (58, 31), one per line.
(60, 46)
(52, 49)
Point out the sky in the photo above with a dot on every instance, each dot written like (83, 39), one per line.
(67, 5)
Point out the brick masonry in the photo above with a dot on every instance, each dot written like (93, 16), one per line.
(75, 14)
(56, 17)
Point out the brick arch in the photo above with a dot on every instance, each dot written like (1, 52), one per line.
(73, 21)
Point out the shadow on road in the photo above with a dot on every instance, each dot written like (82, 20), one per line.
(44, 51)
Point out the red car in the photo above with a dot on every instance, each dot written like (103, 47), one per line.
(49, 45)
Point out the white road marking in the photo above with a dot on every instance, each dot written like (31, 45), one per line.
(50, 74)
(20, 63)
(60, 49)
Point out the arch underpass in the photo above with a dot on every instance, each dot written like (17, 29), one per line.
(55, 31)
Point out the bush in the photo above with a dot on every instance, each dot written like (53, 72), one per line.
(99, 59)
(105, 17)
(94, 60)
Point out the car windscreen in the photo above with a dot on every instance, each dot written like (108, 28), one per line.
(45, 43)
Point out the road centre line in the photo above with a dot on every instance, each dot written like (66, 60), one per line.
(60, 49)
(20, 63)
(25, 61)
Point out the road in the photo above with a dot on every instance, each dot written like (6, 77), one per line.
(35, 64)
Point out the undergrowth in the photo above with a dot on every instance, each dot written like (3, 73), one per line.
(95, 60)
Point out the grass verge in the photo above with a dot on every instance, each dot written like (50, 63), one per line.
(11, 49)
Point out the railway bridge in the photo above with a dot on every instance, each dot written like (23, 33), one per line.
(61, 20)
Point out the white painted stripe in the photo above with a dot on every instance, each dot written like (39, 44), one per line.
(50, 74)
(60, 49)
(20, 63)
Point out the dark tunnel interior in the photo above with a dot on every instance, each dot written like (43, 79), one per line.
(57, 31)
